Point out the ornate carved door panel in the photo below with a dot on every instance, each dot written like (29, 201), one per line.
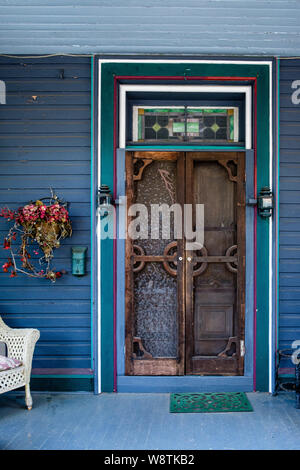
(185, 310)
(154, 273)
(215, 276)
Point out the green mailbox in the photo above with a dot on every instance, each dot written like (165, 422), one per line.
(78, 260)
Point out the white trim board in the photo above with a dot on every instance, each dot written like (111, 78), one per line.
(247, 90)
(191, 61)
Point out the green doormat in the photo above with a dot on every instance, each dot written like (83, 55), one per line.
(209, 402)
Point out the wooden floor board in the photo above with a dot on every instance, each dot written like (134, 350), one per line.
(142, 421)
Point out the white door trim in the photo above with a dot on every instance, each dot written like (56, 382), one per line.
(189, 61)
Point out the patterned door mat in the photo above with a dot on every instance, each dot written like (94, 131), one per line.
(209, 402)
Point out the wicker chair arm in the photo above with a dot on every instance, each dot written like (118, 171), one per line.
(20, 343)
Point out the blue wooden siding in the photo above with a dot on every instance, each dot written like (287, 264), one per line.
(289, 253)
(45, 142)
(259, 27)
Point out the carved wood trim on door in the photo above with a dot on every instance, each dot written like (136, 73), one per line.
(221, 313)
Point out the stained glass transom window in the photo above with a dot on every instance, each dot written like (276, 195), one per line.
(185, 124)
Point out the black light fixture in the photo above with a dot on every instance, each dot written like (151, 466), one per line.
(105, 200)
(265, 202)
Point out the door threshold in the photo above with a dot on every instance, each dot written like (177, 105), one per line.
(181, 384)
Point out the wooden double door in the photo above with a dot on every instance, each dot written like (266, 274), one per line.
(185, 308)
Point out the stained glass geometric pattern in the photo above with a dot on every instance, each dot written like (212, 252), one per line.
(185, 124)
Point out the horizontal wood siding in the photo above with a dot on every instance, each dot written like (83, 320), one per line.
(258, 27)
(289, 253)
(45, 142)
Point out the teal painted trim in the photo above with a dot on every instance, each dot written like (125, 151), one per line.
(182, 148)
(59, 384)
(92, 212)
(263, 178)
(107, 245)
(108, 71)
(62, 376)
(278, 193)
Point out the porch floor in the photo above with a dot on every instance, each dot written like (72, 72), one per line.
(142, 421)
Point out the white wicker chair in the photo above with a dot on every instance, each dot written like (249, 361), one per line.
(20, 345)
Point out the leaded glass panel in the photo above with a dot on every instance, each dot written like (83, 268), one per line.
(185, 124)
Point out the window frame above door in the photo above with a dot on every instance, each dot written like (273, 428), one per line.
(212, 89)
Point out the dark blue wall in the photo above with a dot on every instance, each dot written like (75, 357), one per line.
(289, 320)
(45, 142)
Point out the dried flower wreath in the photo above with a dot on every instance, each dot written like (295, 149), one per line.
(40, 224)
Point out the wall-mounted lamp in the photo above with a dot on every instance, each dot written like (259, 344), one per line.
(265, 202)
(78, 260)
(104, 200)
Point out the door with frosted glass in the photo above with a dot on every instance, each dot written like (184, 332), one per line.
(185, 309)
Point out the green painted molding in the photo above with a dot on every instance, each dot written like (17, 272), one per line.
(59, 384)
(109, 70)
(92, 211)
